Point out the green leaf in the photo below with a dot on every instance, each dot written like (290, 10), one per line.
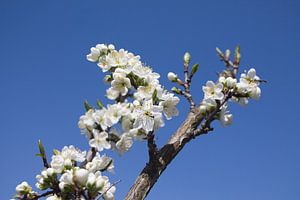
(56, 152)
(86, 105)
(99, 104)
(175, 90)
(41, 148)
(39, 155)
(194, 69)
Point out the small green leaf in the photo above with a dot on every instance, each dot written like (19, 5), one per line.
(175, 90)
(99, 104)
(56, 152)
(39, 155)
(194, 69)
(86, 105)
(41, 148)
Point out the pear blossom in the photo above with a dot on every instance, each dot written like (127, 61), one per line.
(249, 84)
(65, 157)
(225, 116)
(87, 122)
(99, 140)
(169, 102)
(100, 163)
(80, 176)
(212, 90)
(116, 58)
(101, 118)
(146, 114)
(228, 82)
(145, 92)
(124, 143)
(145, 72)
(24, 189)
(66, 179)
(99, 50)
(120, 85)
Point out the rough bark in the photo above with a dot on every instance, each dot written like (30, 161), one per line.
(155, 167)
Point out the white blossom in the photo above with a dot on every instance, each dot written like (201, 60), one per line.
(120, 85)
(145, 115)
(225, 116)
(124, 143)
(249, 84)
(23, 188)
(66, 179)
(116, 58)
(212, 90)
(99, 140)
(81, 176)
(99, 163)
(86, 122)
(228, 82)
(65, 157)
(169, 102)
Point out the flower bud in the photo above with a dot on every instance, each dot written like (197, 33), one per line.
(202, 109)
(172, 76)
(24, 187)
(91, 179)
(187, 58)
(68, 163)
(81, 176)
(50, 171)
(231, 82)
(175, 90)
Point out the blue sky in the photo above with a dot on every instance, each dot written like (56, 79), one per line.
(44, 79)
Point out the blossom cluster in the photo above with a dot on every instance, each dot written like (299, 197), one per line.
(67, 176)
(227, 87)
(140, 101)
(140, 106)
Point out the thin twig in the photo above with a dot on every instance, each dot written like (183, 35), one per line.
(115, 183)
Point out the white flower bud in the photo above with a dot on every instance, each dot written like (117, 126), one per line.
(91, 179)
(81, 176)
(24, 187)
(255, 93)
(202, 109)
(172, 76)
(231, 82)
(44, 174)
(50, 171)
(187, 58)
(111, 47)
(68, 163)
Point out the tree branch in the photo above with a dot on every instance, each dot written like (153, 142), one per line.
(186, 132)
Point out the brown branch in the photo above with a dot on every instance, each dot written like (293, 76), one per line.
(186, 132)
(152, 148)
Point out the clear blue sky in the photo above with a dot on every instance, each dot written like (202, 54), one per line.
(44, 79)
